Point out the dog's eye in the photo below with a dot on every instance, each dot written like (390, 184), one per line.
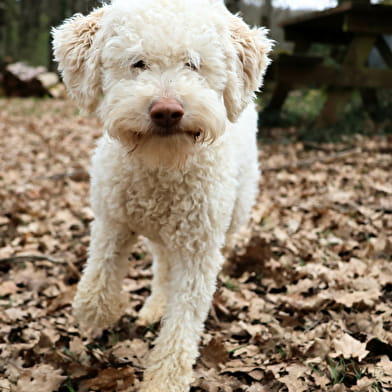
(191, 66)
(140, 64)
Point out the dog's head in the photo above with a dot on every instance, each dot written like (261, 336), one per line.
(164, 75)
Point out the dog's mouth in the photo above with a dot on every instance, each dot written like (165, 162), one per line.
(172, 131)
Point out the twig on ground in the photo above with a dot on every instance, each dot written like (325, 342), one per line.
(33, 258)
(308, 162)
(77, 175)
(24, 258)
(331, 148)
(326, 148)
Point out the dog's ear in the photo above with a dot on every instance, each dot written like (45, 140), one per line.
(78, 55)
(246, 66)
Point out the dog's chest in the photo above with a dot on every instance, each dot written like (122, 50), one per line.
(159, 205)
(166, 206)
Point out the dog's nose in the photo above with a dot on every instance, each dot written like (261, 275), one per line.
(166, 112)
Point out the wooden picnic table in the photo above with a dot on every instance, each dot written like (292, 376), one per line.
(354, 27)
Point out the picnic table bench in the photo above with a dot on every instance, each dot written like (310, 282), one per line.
(354, 27)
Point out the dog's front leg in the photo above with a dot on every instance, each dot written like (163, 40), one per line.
(192, 284)
(155, 304)
(98, 302)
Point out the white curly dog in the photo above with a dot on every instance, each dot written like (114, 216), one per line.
(173, 82)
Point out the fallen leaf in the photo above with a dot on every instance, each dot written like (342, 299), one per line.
(7, 288)
(109, 380)
(42, 378)
(349, 347)
(214, 353)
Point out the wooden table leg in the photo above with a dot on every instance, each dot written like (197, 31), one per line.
(384, 50)
(279, 96)
(369, 95)
(282, 89)
(337, 97)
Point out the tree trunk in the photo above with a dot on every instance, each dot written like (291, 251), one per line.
(25, 31)
(267, 14)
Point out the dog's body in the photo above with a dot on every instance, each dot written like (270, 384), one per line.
(177, 163)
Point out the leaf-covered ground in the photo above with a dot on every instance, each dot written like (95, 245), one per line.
(304, 305)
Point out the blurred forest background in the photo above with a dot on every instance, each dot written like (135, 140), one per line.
(25, 37)
(25, 24)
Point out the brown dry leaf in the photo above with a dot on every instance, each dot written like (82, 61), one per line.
(386, 188)
(5, 385)
(63, 299)
(15, 314)
(368, 297)
(42, 378)
(348, 347)
(109, 380)
(257, 387)
(129, 351)
(76, 346)
(214, 353)
(338, 388)
(382, 371)
(295, 378)
(364, 384)
(237, 366)
(258, 310)
(7, 288)
(209, 380)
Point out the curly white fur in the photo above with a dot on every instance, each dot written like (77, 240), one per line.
(185, 193)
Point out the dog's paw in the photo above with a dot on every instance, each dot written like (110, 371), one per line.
(164, 382)
(160, 386)
(167, 370)
(151, 312)
(96, 311)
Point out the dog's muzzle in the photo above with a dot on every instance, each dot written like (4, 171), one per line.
(166, 115)
(166, 112)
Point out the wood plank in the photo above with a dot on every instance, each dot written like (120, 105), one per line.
(384, 50)
(322, 75)
(317, 35)
(317, 15)
(371, 22)
(358, 51)
(298, 60)
(338, 24)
